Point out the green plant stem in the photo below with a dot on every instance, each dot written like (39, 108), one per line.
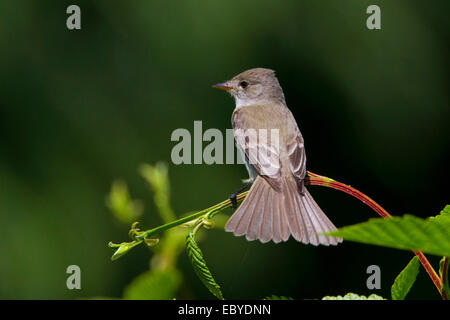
(209, 213)
(315, 179)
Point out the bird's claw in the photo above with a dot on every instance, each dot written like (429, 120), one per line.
(233, 200)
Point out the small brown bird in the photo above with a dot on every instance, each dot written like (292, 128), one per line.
(278, 204)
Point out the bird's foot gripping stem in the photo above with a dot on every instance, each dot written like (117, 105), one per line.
(233, 197)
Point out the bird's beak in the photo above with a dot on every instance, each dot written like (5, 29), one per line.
(223, 86)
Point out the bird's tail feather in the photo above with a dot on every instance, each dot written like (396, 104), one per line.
(267, 214)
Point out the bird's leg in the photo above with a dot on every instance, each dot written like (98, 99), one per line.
(301, 187)
(234, 195)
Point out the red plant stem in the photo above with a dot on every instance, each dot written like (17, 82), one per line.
(317, 180)
(444, 279)
(433, 275)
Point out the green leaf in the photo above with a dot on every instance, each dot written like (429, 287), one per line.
(121, 205)
(405, 280)
(408, 232)
(157, 284)
(354, 296)
(158, 178)
(151, 242)
(122, 248)
(274, 297)
(445, 212)
(200, 268)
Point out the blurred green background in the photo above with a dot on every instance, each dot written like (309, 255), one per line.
(80, 109)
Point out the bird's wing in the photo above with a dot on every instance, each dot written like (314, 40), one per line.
(296, 153)
(260, 143)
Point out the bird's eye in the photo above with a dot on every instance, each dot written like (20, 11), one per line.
(243, 84)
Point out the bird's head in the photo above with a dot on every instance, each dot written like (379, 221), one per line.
(257, 86)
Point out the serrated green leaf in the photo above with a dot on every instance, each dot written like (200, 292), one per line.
(445, 211)
(274, 297)
(354, 296)
(159, 284)
(408, 232)
(200, 268)
(405, 280)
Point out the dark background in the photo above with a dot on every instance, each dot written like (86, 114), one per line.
(79, 109)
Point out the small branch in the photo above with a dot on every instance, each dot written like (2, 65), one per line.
(311, 179)
(444, 279)
(317, 180)
(433, 275)
(209, 213)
